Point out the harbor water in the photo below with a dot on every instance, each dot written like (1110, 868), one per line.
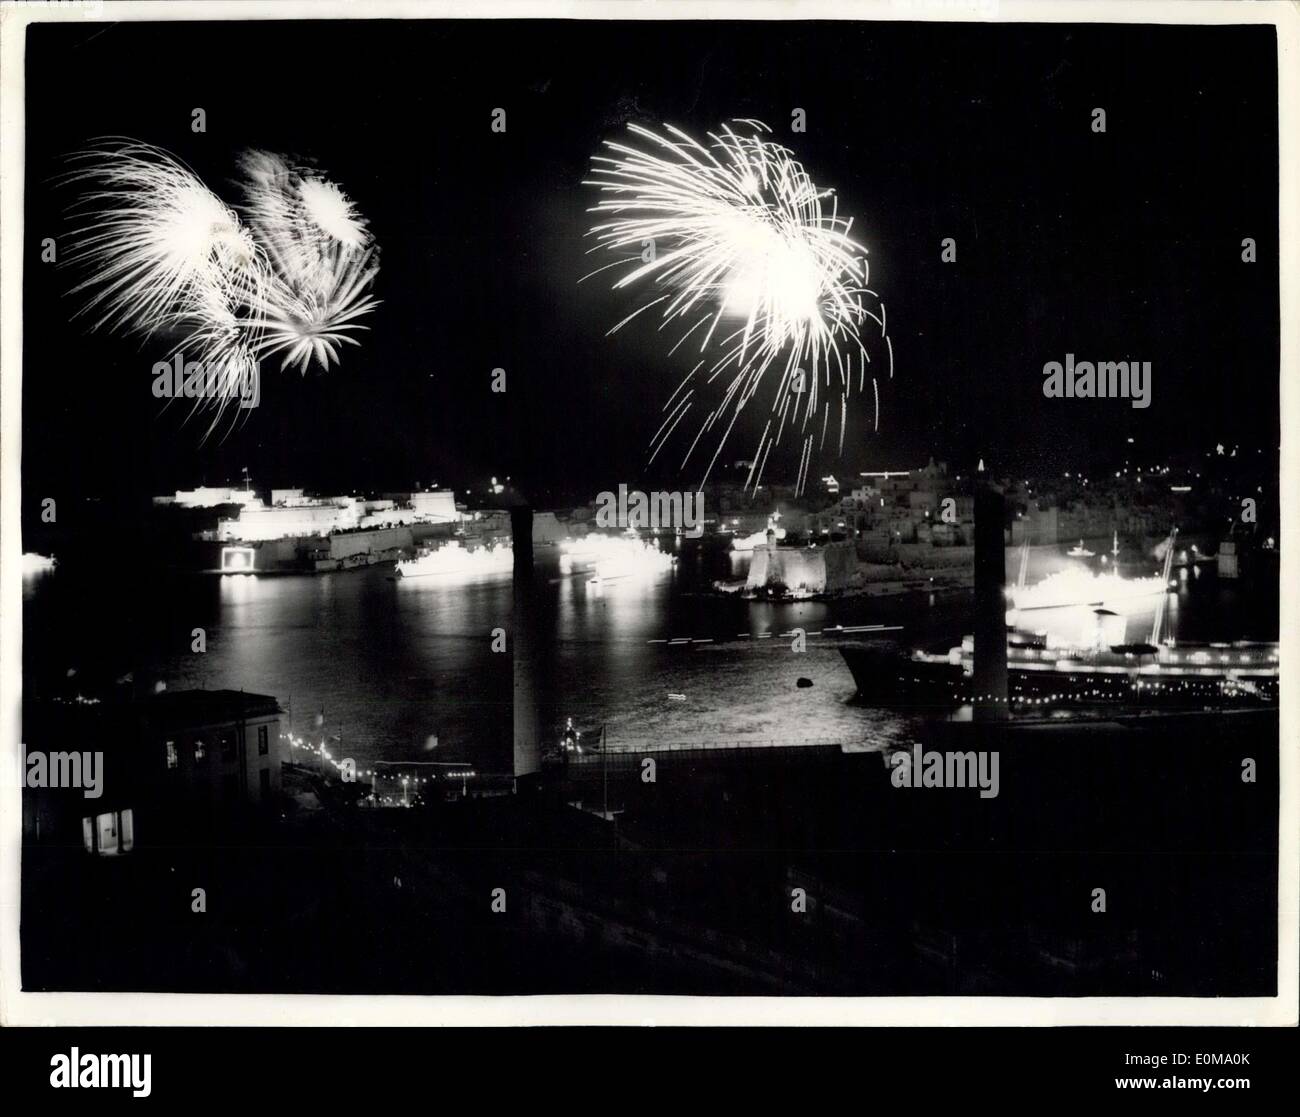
(394, 669)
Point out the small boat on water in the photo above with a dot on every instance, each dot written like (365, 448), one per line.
(1080, 551)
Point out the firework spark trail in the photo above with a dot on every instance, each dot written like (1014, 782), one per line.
(322, 256)
(164, 247)
(310, 321)
(746, 238)
(164, 254)
(287, 272)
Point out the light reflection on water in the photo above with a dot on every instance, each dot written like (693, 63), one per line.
(392, 663)
(737, 688)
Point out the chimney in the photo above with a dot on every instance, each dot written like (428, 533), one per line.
(527, 750)
(990, 603)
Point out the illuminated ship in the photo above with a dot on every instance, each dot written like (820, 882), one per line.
(612, 557)
(454, 558)
(1083, 587)
(1134, 675)
(1075, 587)
(1094, 671)
(1080, 551)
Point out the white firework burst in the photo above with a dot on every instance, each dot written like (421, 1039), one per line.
(333, 212)
(734, 237)
(287, 272)
(323, 258)
(309, 321)
(162, 248)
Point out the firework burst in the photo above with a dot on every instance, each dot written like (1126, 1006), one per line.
(288, 272)
(735, 241)
(323, 261)
(162, 246)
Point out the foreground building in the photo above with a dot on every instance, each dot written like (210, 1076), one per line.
(213, 748)
(109, 774)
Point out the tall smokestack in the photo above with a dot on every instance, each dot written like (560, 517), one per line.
(990, 602)
(527, 750)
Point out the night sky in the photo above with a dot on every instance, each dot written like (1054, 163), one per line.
(1115, 246)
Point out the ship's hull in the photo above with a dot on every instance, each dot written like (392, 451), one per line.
(929, 683)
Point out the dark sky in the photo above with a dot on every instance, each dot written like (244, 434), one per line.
(1114, 246)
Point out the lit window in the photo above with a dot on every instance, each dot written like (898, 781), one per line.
(173, 757)
(109, 834)
(263, 741)
(106, 833)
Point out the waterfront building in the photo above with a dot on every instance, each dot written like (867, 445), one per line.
(205, 497)
(292, 515)
(287, 521)
(435, 507)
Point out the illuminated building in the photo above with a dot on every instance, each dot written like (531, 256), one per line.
(205, 497)
(436, 507)
(238, 560)
(291, 515)
(287, 521)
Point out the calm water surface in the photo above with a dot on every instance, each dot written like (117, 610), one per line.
(404, 669)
